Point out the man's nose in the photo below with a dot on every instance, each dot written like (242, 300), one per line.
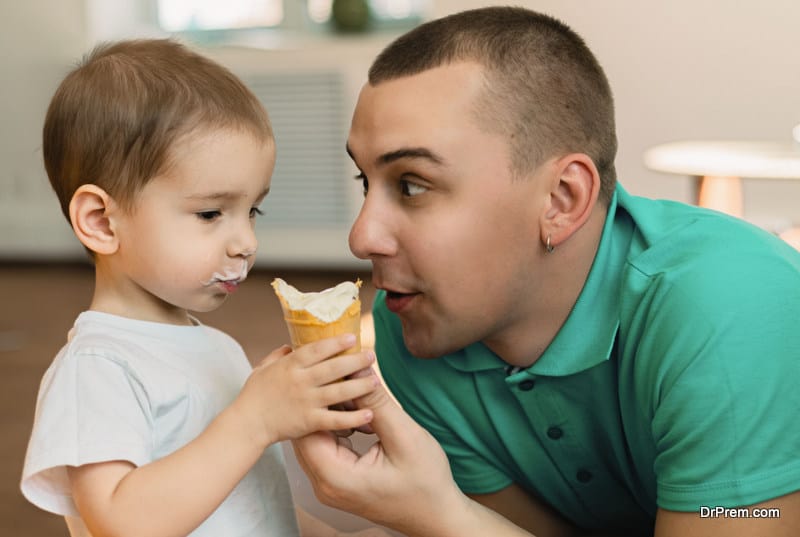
(373, 232)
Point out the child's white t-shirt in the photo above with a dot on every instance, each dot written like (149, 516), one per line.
(123, 389)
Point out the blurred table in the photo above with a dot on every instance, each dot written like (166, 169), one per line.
(718, 167)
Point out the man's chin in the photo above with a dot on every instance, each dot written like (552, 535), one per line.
(426, 349)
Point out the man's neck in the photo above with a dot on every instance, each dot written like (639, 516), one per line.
(563, 274)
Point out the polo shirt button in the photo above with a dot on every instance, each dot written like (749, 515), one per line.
(584, 476)
(555, 433)
(526, 385)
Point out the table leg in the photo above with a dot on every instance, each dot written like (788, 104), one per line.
(792, 236)
(722, 194)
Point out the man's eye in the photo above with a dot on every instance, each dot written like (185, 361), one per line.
(208, 215)
(410, 189)
(255, 211)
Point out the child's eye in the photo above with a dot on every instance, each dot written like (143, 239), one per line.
(363, 178)
(255, 211)
(208, 215)
(410, 189)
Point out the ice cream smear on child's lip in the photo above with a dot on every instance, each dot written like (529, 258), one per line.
(327, 305)
(230, 276)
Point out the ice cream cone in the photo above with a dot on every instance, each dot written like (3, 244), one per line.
(313, 316)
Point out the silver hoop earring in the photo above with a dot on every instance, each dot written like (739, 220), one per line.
(547, 246)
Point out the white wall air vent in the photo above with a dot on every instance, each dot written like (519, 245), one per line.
(312, 200)
(306, 114)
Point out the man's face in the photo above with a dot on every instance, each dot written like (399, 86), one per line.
(453, 237)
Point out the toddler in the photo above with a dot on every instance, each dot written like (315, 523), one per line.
(149, 423)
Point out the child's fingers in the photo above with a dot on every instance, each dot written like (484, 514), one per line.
(347, 390)
(275, 355)
(315, 352)
(336, 420)
(340, 367)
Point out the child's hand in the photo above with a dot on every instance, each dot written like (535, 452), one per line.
(288, 395)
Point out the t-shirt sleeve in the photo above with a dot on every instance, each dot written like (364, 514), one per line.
(90, 408)
(724, 398)
(422, 388)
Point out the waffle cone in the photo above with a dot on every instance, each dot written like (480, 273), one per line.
(306, 328)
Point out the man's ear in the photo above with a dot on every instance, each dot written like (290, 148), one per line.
(573, 195)
(89, 213)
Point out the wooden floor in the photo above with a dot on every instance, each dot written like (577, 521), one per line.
(39, 304)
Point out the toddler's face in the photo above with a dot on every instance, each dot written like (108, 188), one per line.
(190, 239)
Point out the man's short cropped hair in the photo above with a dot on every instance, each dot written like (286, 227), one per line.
(545, 90)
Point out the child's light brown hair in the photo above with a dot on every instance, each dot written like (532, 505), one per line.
(116, 117)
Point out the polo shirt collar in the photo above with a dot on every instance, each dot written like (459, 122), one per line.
(587, 337)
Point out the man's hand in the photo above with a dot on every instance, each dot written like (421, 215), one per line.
(402, 482)
(405, 468)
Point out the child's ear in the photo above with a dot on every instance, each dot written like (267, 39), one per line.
(89, 214)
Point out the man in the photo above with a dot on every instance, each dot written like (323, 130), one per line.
(590, 361)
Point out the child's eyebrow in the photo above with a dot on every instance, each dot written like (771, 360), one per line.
(213, 196)
(223, 195)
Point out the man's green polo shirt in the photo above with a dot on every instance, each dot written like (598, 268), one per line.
(672, 384)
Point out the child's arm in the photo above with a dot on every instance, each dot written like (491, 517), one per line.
(286, 396)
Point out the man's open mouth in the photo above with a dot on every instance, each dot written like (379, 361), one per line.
(399, 302)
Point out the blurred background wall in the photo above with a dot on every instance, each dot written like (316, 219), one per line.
(679, 70)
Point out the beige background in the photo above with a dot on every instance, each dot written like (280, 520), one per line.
(681, 69)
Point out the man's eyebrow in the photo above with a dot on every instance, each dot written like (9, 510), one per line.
(412, 153)
(404, 153)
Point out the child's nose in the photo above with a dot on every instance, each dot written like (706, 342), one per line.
(244, 242)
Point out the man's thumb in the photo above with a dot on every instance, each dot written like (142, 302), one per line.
(389, 422)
